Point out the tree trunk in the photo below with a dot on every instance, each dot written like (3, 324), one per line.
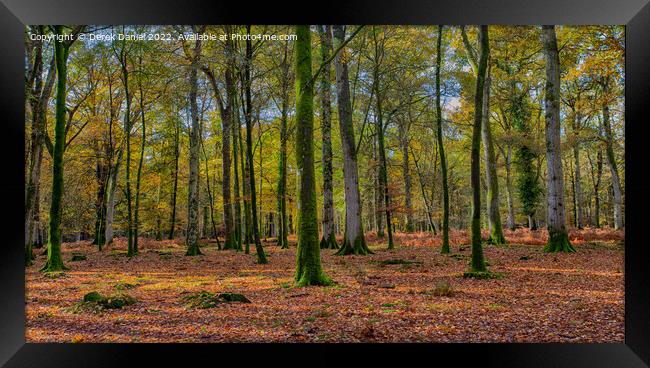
(441, 149)
(613, 168)
(235, 149)
(558, 239)
(577, 175)
(175, 190)
(378, 193)
(246, 182)
(478, 261)
(261, 257)
(282, 167)
(39, 98)
(191, 240)
(54, 260)
(308, 265)
(383, 169)
(123, 59)
(492, 180)
(110, 201)
(406, 174)
(328, 240)
(354, 241)
(511, 205)
(136, 225)
(226, 121)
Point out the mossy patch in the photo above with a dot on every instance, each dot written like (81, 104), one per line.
(55, 275)
(125, 286)
(94, 302)
(206, 299)
(482, 275)
(397, 262)
(76, 257)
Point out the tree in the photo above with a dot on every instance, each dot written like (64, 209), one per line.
(441, 150)
(177, 154)
(383, 170)
(236, 127)
(282, 165)
(354, 241)
(261, 257)
(226, 112)
(328, 240)
(478, 261)
(193, 185)
(527, 180)
(61, 51)
(123, 56)
(38, 95)
(611, 158)
(491, 178)
(308, 267)
(558, 237)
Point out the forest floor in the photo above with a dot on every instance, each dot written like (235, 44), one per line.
(410, 294)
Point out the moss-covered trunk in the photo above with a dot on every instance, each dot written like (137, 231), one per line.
(308, 265)
(54, 260)
(478, 261)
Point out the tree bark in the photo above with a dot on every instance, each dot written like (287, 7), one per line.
(54, 259)
(328, 239)
(39, 96)
(261, 257)
(235, 149)
(478, 261)
(191, 240)
(511, 205)
(613, 168)
(282, 167)
(492, 180)
(441, 149)
(577, 173)
(406, 174)
(308, 265)
(354, 241)
(558, 239)
(175, 190)
(383, 169)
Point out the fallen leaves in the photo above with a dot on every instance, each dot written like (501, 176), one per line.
(412, 293)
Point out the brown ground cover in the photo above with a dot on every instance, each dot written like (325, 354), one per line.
(410, 294)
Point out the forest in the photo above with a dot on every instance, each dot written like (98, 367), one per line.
(252, 183)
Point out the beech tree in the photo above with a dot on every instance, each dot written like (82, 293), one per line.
(441, 149)
(61, 51)
(478, 261)
(558, 237)
(328, 239)
(354, 241)
(193, 185)
(308, 267)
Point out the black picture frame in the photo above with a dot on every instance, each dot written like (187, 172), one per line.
(15, 14)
